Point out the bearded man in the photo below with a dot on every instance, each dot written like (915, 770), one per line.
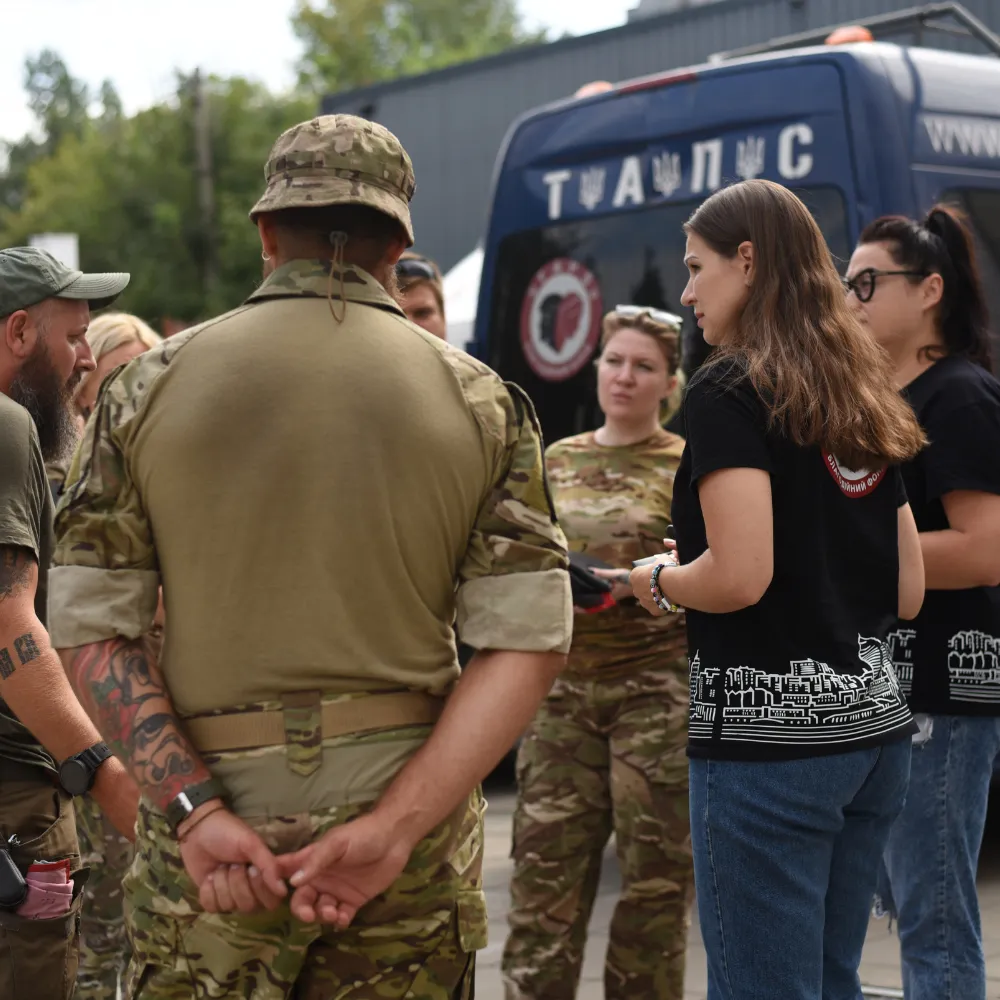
(49, 748)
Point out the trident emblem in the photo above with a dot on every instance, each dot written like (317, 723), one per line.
(749, 157)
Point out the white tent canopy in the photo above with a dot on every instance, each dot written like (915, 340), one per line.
(461, 297)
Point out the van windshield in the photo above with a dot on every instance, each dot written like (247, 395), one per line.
(552, 284)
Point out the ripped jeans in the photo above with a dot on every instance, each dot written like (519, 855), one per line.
(928, 879)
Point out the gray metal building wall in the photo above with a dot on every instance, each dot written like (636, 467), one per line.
(453, 121)
(647, 8)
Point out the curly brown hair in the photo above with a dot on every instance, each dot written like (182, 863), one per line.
(825, 380)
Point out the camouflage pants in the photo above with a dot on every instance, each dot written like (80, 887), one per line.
(104, 948)
(602, 755)
(417, 940)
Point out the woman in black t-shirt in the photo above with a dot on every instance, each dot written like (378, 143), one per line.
(798, 552)
(916, 288)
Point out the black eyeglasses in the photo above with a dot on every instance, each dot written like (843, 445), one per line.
(863, 283)
(414, 269)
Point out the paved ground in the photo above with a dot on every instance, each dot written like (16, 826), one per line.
(880, 967)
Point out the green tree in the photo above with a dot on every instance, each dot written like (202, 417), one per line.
(128, 187)
(59, 103)
(352, 43)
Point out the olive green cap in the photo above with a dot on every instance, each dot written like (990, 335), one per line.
(29, 275)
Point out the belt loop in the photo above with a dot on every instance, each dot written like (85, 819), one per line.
(303, 730)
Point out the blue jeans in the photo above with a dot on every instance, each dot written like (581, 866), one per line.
(929, 879)
(786, 856)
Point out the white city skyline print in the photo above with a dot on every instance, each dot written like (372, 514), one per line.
(809, 703)
(902, 643)
(974, 666)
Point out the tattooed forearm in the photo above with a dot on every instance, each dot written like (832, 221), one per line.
(16, 569)
(25, 650)
(121, 686)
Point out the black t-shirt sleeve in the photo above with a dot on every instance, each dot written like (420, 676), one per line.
(726, 424)
(964, 449)
(22, 483)
(901, 498)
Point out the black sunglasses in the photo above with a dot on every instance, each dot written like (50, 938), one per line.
(416, 269)
(863, 283)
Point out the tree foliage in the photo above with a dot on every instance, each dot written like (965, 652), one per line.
(128, 187)
(60, 106)
(352, 43)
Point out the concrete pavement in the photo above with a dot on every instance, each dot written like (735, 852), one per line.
(880, 965)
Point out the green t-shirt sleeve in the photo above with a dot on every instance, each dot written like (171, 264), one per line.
(22, 484)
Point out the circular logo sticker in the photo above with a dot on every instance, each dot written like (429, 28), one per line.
(853, 482)
(560, 319)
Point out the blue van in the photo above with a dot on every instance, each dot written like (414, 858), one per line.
(590, 195)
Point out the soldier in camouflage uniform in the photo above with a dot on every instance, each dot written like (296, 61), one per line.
(606, 751)
(114, 339)
(323, 490)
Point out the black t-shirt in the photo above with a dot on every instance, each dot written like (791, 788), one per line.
(25, 522)
(948, 658)
(805, 671)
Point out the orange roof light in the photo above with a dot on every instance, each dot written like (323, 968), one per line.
(594, 88)
(848, 34)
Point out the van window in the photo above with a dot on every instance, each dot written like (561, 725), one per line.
(636, 257)
(983, 209)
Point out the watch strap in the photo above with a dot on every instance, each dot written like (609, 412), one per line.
(190, 798)
(95, 756)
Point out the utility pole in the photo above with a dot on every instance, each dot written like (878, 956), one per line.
(206, 183)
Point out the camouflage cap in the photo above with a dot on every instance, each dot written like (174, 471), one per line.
(339, 160)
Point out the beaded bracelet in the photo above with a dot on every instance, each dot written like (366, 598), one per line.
(660, 599)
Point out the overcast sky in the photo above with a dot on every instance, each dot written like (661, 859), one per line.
(139, 43)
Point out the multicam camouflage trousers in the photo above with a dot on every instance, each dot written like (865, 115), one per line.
(417, 940)
(104, 947)
(602, 755)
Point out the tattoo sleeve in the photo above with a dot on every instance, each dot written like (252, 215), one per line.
(16, 564)
(122, 688)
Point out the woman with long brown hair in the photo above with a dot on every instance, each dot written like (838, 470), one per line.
(917, 290)
(797, 553)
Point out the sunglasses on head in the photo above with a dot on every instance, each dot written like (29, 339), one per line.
(863, 283)
(657, 315)
(414, 269)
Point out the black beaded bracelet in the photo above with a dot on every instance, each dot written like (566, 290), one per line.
(661, 600)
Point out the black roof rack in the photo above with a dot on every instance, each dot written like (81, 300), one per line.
(931, 17)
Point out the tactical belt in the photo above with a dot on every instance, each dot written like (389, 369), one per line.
(250, 730)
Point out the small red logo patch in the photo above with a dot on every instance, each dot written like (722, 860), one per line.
(852, 482)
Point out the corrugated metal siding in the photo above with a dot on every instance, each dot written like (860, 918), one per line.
(452, 122)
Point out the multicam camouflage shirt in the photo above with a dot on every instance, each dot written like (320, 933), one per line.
(323, 489)
(614, 504)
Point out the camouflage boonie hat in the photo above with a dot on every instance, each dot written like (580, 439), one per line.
(339, 160)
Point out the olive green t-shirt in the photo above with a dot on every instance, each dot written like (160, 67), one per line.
(26, 522)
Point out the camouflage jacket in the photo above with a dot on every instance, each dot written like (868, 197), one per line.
(431, 462)
(614, 504)
(323, 488)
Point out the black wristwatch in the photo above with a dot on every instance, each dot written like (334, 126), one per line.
(77, 773)
(188, 800)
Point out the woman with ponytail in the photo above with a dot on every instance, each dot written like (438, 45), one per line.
(916, 287)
